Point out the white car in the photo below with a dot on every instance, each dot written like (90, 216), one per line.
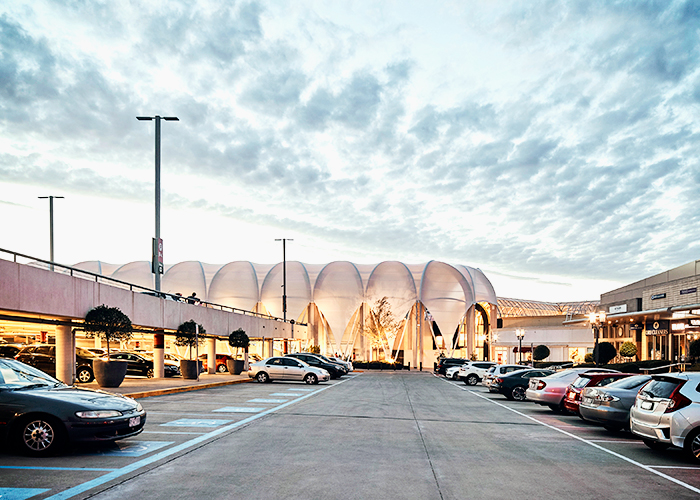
(666, 413)
(287, 368)
(497, 371)
(473, 372)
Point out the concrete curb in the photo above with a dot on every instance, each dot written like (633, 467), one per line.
(185, 388)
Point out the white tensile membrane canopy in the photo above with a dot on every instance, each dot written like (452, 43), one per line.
(338, 289)
(447, 295)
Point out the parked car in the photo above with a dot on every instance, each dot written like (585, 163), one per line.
(220, 362)
(444, 363)
(572, 399)
(472, 372)
(9, 350)
(43, 357)
(347, 364)
(666, 412)
(97, 351)
(334, 370)
(610, 405)
(497, 371)
(41, 414)
(141, 364)
(514, 384)
(550, 391)
(343, 367)
(286, 368)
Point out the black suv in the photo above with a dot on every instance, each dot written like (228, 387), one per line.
(444, 363)
(335, 371)
(142, 364)
(43, 357)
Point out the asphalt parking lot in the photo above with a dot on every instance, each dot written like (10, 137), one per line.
(370, 435)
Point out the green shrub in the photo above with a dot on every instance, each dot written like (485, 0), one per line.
(605, 352)
(108, 323)
(187, 336)
(541, 352)
(628, 350)
(588, 358)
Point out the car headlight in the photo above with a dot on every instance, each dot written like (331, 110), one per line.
(139, 407)
(98, 414)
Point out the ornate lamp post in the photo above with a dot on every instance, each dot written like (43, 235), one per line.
(597, 321)
(520, 333)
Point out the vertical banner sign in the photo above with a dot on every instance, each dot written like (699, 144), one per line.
(157, 261)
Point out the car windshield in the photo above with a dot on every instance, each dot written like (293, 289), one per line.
(581, 382)
(661, 388)
(17, 375)
(630, 382)
(84, 353)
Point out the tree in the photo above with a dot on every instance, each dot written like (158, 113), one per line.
(107, 323)
(238, 339)
(628, 350)
(187, 335)
(604, 352)
(541, 352)
(382, 327)
(315, 349)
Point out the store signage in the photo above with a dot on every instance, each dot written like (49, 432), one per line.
(636, 326)
(617, 309)
(689, 290)
(678, 327)
(695, 322)
(658, 296)
(660, 327)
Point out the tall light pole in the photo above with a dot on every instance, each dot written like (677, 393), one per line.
(157, 262)
(50, 198)
(520, 333)
(284, 276)
(597, 322)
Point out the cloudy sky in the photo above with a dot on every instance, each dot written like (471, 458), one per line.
(552, 144)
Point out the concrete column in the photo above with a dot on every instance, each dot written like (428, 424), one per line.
(211, 355)
(270, 347)
(158, 355)
(65, 355)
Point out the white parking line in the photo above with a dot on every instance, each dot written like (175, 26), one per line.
(647, 468)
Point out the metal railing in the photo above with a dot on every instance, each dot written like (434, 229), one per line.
(99, 278)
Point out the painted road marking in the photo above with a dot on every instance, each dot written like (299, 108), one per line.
(196, 422)
(132, 448)
(20, 493)
(94, 483)
(236, 409)
(25, 467)
(284, 394)
(267, 401)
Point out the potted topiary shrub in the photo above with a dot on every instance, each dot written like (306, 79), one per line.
(603, 353)
(628, 350)
(188, 335)
(109, 324)
(541, 352)
(237, 339)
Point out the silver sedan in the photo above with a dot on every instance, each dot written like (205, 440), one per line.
(286, 368)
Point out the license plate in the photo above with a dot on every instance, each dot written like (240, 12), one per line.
(134, 421)
(647, 405)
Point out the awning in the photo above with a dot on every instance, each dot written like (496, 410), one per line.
(525, 349)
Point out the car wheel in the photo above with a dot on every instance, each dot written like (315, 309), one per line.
(692, 445)
(518, 393)
(655, 445)
(84, 375)
(149, 373)
(311, 379)
(221, 369)
(40, 436)
(472, 380)
(262, 377)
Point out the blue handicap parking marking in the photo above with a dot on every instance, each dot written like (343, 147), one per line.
(301, 389)
(236, 409)
(131, 449)
(267, 400)
(196, 422)
(20, 493)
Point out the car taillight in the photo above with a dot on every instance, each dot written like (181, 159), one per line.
(499, 380)
(541, 385)
(571, 395)
(678, 401)
(608, 397)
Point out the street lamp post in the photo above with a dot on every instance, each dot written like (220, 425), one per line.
(157, 262)
(50, 198)
(284, 276)
(597, 321)
(520, 333)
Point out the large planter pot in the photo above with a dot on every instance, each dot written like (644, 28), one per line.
(235, 366)
(188, 368)
(109, 373)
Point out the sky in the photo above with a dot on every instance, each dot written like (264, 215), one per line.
(552, 144)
